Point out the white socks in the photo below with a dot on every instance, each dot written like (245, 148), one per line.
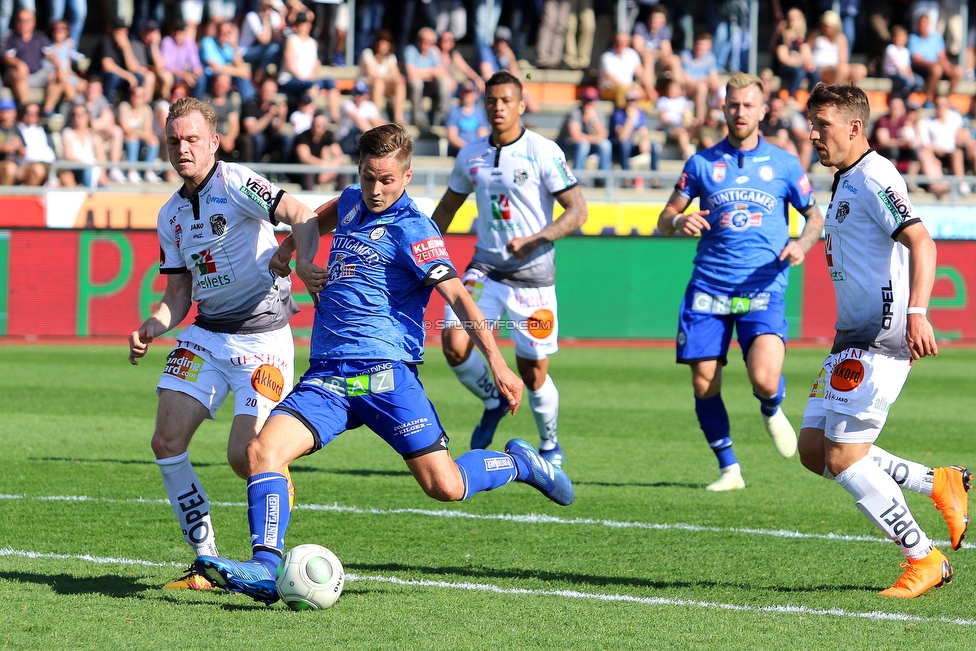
(190, 503)
(545, 407)
(910, 475)
(882, 502)
(473, 373)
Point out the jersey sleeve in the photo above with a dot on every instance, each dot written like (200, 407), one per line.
(170, 259)
(799, 191)
(886, 202)
(553, 168)
(253, 194)
(460, 182)
(687, 184)
(422, 250)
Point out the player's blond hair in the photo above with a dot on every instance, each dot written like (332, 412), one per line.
(185, 106)
(850, 102)
(743, 80)
(387, 140)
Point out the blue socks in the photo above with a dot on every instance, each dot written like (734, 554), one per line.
(267, 516)
(769, 405)
(484, 470)
(714, 421)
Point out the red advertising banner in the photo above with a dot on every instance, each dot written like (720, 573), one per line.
(951, 309)
(81, 283)
(105, 283)
(27, 211)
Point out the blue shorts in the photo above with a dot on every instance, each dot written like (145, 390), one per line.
(335, 396)
(706, 320)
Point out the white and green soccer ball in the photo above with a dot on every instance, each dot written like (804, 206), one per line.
(310, 577)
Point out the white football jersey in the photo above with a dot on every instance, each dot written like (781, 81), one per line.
(515, 187)
(869, 207)
(223, 236)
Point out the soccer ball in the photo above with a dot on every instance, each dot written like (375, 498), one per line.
(310, 577)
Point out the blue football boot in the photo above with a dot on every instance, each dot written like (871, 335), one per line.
(543, 476)
(484, 431)
(554, 455)
(252, 578)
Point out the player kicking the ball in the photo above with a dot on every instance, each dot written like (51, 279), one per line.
(216, 240)
(516, 176)
(882, 263)
(367, 340)
(741, 269)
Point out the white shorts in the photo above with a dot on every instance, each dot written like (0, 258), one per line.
(531, 313)
(851, 397)
(258, 368)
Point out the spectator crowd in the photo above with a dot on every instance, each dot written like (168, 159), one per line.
(268, 68)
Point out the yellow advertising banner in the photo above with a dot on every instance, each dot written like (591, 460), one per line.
(136, 210)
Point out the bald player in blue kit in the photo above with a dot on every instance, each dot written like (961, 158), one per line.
(741, 268)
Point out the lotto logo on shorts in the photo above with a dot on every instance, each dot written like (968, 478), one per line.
(430, 249)
(540, 324)
(847, 375)
(183, 364)
(268, 381)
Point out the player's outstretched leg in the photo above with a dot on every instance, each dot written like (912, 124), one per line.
(777, 424)
(267, 517)
(473, 374)
(539, 473)
(948, 487)
(714, 422)
(880, 499)
(544, 402)
(192, 509)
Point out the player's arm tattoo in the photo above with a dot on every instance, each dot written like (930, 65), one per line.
(446, 209)
(574, 215)
(813, 229)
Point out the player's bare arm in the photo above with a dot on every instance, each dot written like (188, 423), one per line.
(447, 208)
(573, 217)
(172, 309)
(508, 383)
(796, 250)
(672, 219)
(921, 276)
(327, 216)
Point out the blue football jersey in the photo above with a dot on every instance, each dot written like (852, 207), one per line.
(382, 268)
(746, 194)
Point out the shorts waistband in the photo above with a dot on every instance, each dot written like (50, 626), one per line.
(719, 304)
(352, 378)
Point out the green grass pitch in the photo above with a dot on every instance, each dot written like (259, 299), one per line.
(644, 559)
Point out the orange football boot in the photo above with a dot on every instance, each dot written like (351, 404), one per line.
(950, 487)
(933, 571)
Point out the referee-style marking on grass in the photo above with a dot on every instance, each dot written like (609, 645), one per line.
(564, 594)
(532, 518)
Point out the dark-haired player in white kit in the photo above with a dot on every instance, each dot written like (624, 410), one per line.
(516, 176)
(882, 263)
(216, 239)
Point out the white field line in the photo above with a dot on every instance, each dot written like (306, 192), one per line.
(532, 518)
(563, 594)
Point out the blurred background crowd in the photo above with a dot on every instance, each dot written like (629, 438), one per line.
(297, 81)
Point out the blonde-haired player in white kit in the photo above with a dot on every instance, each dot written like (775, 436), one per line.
(216, 239)
(516, 175)
(882, 263)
